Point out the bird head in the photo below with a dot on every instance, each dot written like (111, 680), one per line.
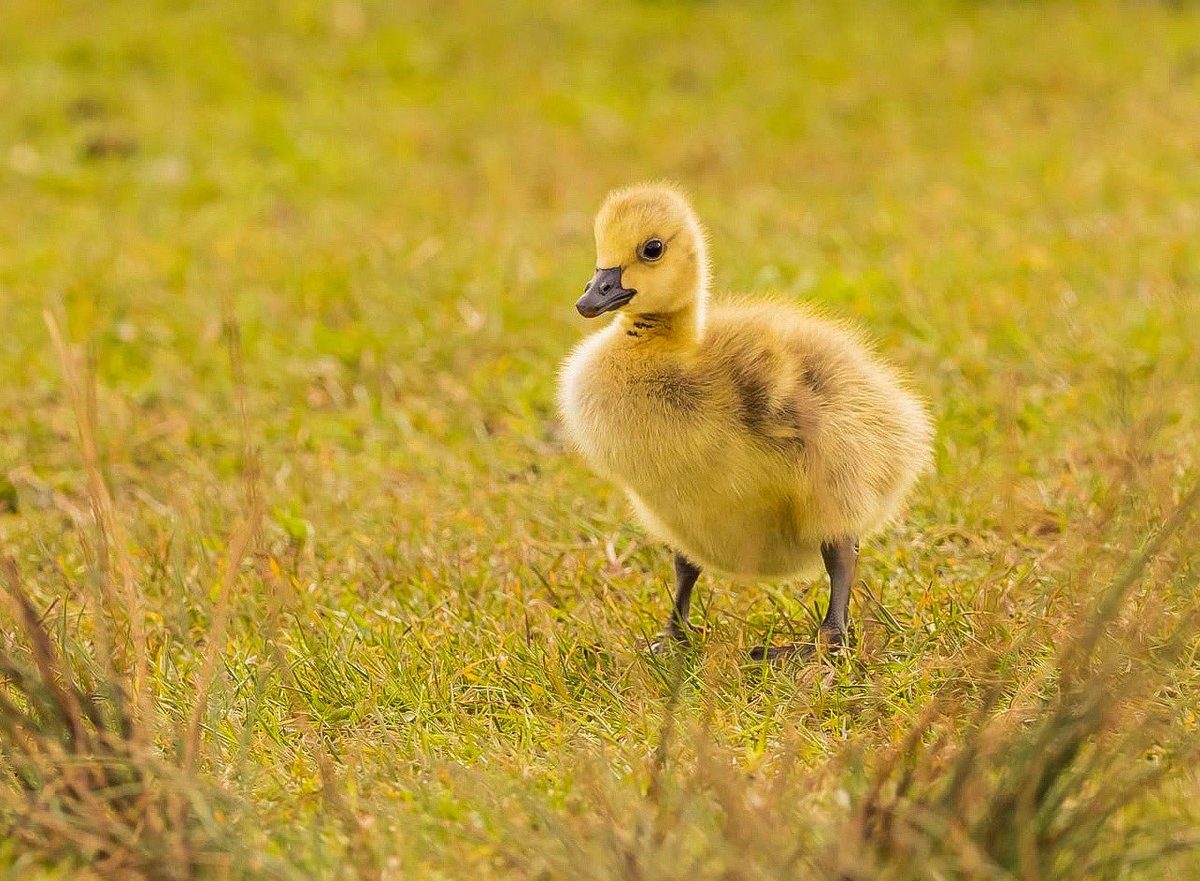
(650, 254)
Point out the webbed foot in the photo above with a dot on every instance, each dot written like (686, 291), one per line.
(675, 636)
(830, 640)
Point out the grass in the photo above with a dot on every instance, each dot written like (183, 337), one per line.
(302, 582)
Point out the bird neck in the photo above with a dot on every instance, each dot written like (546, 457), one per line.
(683, 327)
(679, 328)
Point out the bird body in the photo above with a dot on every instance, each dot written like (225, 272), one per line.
(748, 447)
(756, 437)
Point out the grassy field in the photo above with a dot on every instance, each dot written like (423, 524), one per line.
(302, 582)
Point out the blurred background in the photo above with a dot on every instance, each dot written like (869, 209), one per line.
(397, 200)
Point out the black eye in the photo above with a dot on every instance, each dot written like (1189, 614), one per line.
(652, 250)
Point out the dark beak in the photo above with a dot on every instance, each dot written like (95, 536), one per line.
(604, 293)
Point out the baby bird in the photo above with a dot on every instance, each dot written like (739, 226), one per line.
(754, 438)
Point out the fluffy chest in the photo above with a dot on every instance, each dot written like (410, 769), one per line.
(636, 419)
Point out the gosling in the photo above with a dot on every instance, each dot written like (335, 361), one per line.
(754, 438)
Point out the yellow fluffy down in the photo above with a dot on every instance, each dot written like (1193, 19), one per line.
(747, 437)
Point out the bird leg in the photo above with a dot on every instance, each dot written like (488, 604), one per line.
(678, 629)
(841, 562)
